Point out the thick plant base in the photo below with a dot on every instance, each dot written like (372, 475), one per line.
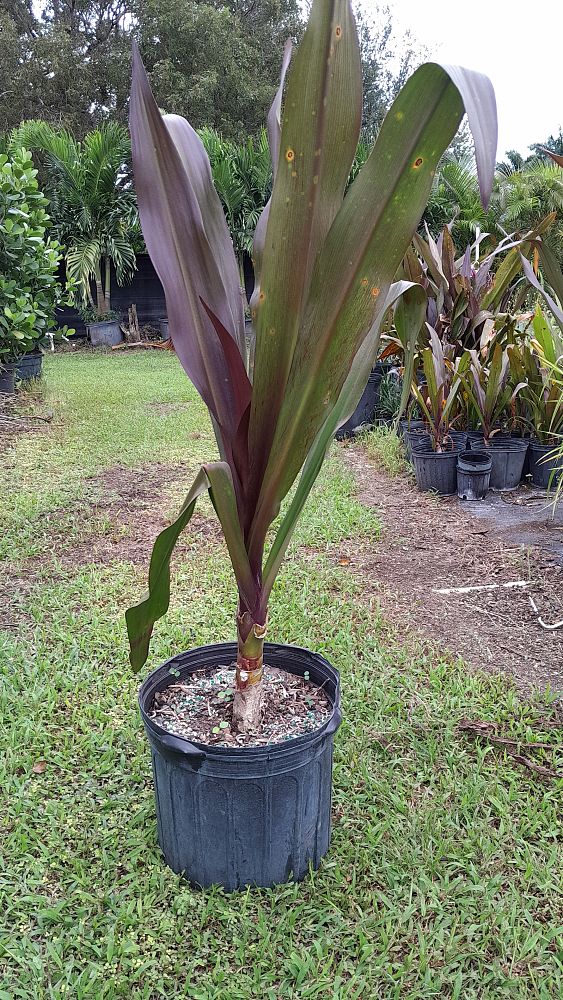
(243, 816)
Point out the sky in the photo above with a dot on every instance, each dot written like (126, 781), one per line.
(517, 43)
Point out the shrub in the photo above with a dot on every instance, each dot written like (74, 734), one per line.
(29, 259)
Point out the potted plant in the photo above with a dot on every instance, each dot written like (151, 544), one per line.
(434, 454)
(29, 259)
(234, 806)
(537, 365)
(90, 189)
(491, 391)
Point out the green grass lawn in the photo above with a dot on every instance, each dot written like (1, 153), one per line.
(444, 877)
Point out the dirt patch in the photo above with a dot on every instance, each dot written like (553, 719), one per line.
(429, 544)
(127, 511)
(201, 708)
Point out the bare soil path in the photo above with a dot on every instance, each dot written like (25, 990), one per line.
(428, 544)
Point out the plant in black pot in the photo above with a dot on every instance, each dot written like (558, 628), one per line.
(89, 185)
(29, 259)
(489, 384)
(236, 805)
(434, 454)
(537, 365)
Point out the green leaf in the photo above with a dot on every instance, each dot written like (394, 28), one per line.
(320, 130)
(216, 478)
(345, 406)
(359, 258)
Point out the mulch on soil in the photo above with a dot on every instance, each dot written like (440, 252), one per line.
(429, 544)
(200, 708)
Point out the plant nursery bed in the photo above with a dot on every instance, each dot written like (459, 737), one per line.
(200, 708)
(445, 572)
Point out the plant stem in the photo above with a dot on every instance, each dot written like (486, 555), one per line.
(100, 297)
(247, 706)
(107, 284)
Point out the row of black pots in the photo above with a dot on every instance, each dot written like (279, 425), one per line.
(513, 457)
(12, 372)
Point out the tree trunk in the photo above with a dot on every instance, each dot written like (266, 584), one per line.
(107, 285)
(101, 306)
(247, 706)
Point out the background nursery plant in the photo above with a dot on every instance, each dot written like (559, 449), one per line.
(324, 265)
(29, 259)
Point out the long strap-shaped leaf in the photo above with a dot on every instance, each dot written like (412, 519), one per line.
(188, 240)
(413, 298)
(554, 308)
(362, 252)
(274, 140)
(320, 130)
(215, 478)
(409, 315)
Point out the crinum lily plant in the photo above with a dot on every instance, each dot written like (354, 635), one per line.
(324, 267)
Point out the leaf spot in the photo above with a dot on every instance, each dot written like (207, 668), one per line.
(262, 296)
(374, 292)
(364, 282)
(418, 163)
(400, 115)
(316, 179)
(294, 173)
(338, 31)
(289, 155)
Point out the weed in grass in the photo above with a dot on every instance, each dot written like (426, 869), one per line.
(385, 449)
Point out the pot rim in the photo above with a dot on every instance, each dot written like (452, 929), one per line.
(267, 750)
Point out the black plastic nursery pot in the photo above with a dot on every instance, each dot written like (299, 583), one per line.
(364, 414)
(543, 462)
(410, 425)
(416, 440)
(240, 816)
(106, 334)
(436, 470)
(7, 376)
(30, 366)
(458, 439)
(473, 475)
(508, 456)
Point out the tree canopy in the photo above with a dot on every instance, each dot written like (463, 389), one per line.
(216, 62)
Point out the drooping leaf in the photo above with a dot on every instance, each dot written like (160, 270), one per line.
(215, 478)
(409, 317)
(556, 310)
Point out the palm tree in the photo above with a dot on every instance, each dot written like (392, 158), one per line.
(93, 204)
(242, 175)
(527, 193)
(455, 201)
